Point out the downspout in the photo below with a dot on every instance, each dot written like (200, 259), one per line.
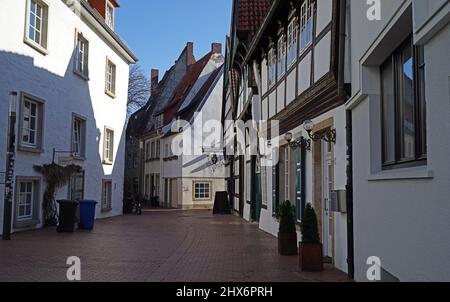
(342, 94)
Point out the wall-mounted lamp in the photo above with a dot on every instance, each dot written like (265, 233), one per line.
(300, 143)
(328, 135)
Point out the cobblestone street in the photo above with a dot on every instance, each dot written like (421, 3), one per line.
(157, 246)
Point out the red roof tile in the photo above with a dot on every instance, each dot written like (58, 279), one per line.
(184, 87)
(251, 14)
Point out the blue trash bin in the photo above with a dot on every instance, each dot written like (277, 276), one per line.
(87, 214)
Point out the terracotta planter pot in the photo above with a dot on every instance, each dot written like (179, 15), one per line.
(310, 257)
(287, 244)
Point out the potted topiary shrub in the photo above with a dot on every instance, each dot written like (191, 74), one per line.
(310, 249)
(287, 235)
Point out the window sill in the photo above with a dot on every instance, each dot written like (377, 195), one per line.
(81, 75)
(106, 210)
(36, 46)
(22, 148)
(403, 174)
(202, 200)
(110, 94)
(78, 158)
(26, 224)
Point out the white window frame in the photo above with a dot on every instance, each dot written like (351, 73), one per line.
(31, 26)
(78, 136)
(33, 127)
(81, 59)
(110, 17)
(158, 149)
(108, 146)
(27, 145)
(264, 199)
(200, 188)
(292, 40)
(306, 24)
(272, 67)
(107, 188)
(23, 201)
(281, 58)
(110, 78)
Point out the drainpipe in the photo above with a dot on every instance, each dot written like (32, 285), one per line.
(9, 172)
(342, 94)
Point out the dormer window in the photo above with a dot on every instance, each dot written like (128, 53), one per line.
(109, 15)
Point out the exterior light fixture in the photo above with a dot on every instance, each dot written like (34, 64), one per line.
(300, 143)
(328, 135)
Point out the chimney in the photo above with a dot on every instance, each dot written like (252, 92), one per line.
(190, 53)
(154, 80)
(216, 48)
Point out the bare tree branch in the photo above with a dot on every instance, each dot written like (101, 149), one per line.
(138, 89)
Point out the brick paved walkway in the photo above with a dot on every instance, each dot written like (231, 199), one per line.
(158, 246)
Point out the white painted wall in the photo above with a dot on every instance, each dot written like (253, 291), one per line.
(51, 78)
(304, 74)
(401, 216)
(324, 14)
(322, 57)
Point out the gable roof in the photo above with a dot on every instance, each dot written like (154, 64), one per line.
(184, 87)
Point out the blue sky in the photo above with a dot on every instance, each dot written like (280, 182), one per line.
(157, 30)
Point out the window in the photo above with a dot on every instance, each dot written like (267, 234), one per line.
(37, 23)
(106, 195)
(272, 61)
(404, 107)
(156, 185)
(110, 78)
(306, 24)
(153, 151)
(78, 136)
(158, 147)
(81, 56)
(147, 150)
(292, 42)
(264, 185)
(159, 121)
(25, 201)
(281, 56)
(26, 213)
(76, 186)
(202, 190)
(31, 123)
(109, 15)
(108, 146)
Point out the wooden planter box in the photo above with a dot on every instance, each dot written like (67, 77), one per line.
(287, 244)
(310, 257)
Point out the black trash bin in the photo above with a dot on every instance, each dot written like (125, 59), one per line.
(67, 213)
